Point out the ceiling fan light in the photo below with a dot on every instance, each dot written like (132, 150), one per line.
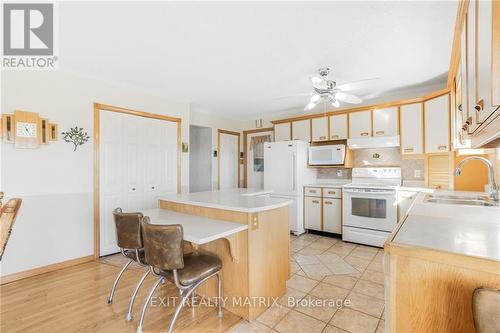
(315, 98)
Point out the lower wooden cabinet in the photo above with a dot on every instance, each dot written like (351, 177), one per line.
(312, 212)
(332, 215)
(323, 209)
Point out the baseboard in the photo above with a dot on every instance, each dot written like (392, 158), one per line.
(44, 269)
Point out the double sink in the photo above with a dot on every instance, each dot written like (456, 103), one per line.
(472, 200)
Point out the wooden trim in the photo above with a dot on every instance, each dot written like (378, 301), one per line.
(495, 54)
(219, 132)
(364, 108)
(135, 112)
(44, 269)
(245, 150)
(98, 107)
(455, 48)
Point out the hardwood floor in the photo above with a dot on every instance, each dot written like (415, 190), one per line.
(74, 299)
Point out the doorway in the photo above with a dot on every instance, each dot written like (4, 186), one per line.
(253, 141)
(200, 158)
(229, 160)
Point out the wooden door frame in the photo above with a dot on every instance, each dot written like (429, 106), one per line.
(98, 107)
(245, 150)
(223, 131)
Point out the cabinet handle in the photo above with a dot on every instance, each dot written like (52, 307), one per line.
(442, 147)
(364, 134)
(479, 106)
(133, 188)
(465, 127)
(328, 202)
(331, 192)
(312, 191)
(322, 137)
(408, 150)
(315, 201)
(152, 187)
(379, 132)
(335, 136)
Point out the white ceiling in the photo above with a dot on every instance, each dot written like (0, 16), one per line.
(235, 58)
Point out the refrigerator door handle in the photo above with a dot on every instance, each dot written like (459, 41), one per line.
(293, 171)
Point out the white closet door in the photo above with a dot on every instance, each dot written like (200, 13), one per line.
(111, 185)
(138, 163)
(228, 161)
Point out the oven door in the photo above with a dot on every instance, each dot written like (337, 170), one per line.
(370, 209)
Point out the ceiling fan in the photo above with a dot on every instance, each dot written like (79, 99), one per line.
(327, 91)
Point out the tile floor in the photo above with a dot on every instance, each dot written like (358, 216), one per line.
(326, 272)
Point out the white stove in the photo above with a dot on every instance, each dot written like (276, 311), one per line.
(369, 205)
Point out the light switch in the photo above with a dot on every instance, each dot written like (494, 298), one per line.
(339, 172)
(417, 173)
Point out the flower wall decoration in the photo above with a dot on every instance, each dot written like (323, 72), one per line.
(76, 136)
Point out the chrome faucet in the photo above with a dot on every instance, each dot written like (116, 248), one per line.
(492, 186)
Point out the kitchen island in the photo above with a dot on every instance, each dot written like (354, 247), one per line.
(256, 260)
(436, 257)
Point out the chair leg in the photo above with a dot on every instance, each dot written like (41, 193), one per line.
(185, 296)
(110, 299)
(132, 299)
(219, 295)
(146, 302)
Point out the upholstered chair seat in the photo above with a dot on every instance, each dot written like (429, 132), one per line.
(197, 266)
(486, 310)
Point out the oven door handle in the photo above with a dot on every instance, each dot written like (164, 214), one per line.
(369, 192)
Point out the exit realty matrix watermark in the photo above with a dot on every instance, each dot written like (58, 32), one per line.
(29, 36)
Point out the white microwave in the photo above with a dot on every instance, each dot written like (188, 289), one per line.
(327, 155)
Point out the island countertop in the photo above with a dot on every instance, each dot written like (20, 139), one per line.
(246, 200)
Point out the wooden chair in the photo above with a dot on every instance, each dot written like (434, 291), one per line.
(8, 214)
(164, 254)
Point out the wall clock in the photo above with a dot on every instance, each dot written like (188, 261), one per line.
(27, 129)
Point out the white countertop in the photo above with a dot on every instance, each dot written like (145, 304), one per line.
(466, 230)
(330, 183)
(197, 229)
(244, 200)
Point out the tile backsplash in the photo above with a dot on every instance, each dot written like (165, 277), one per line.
(378, 157)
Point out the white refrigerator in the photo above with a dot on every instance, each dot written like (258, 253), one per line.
(286, 173)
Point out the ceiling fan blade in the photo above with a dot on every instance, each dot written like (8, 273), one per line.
(356, 84)
(311, 105)
(347, 98)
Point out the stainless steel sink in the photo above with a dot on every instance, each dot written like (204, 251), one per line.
(457, 197)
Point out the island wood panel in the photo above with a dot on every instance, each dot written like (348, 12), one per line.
(429, 296)
(214, 213)
(269, 256)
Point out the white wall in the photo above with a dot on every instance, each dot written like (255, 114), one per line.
(55, 221)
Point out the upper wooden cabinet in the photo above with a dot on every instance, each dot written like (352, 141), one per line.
(360, 124)
(301, 130)
(437, 121)
(319, 128)
(282, 132)
(412, 135)
(338, 127)
(385, 122)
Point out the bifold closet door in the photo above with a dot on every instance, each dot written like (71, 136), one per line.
(228, 160)
(138, 163)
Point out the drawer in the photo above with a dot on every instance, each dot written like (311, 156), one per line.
(312, 192)
(332, 192)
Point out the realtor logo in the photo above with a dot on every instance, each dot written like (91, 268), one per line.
(28, 36)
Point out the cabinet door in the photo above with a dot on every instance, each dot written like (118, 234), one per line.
(437, 124)
(312, 213)
(488, 27)
(338, 127)
(412, 130)
(332, 215)
(385, 122)
(471, 66)
(319, 129)
(282, 132)
(301, 130)
(360, 124)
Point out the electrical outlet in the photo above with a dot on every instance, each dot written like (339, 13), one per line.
(417, 173)
(339, 173)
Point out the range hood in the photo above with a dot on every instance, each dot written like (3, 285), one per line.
(374, 142)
